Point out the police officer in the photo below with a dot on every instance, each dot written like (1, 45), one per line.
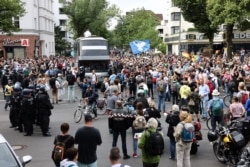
(81, 74)
(15, 105)
(27, 111)
(44, 107)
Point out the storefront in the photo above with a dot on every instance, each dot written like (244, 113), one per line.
(18, 46)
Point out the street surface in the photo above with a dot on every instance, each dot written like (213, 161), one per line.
(40, 147)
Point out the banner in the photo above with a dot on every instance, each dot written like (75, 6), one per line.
(138, 47)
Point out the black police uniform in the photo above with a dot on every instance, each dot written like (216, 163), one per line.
(44, 107)
(27, 111)
(15, 106)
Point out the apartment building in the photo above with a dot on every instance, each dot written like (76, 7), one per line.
(36, 37)
(180, 34)
(61, 19)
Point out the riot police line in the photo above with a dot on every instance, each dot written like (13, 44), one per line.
(28, 107)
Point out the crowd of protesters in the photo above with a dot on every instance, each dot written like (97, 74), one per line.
(170, 79)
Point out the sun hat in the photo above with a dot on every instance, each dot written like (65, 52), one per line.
(215, 92)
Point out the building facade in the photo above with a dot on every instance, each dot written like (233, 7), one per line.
(181, 36)
(61, 19)
(36, 35)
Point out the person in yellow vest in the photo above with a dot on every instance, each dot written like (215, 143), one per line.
(8, 92)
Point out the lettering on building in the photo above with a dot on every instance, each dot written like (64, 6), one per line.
(241, 35)
(9, 42)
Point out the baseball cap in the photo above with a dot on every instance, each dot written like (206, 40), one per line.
(88, 117)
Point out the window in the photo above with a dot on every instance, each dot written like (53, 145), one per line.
(61, 11)
(16, 22)
(175, 16)
(62, 22)
(35, 26)
(63, 34)
(160, 31)
(175, 30)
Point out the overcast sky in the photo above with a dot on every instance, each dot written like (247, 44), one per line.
(157, 6)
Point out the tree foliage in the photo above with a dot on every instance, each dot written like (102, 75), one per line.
(8, 10)
(92, 15)
(195, 11)
(138, 24)
(231, 13)
(61, 44)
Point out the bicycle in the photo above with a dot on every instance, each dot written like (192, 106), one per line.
(80, 111)
(225, 121)
(227, 100)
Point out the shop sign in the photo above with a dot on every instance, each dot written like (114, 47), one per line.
(24, 42)
(9, 42)
(241, 35)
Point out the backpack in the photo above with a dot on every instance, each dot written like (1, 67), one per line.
(175, 87)
(103, 88)
(187, 132)
(154, 144)
(161, 86)
(244, 97)
(216, 107)
(139, 122)
(59, 150)
(149, 80)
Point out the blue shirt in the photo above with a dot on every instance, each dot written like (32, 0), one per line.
(204, 91)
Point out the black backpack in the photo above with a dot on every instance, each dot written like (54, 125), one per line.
(154, 144)
(103, 87)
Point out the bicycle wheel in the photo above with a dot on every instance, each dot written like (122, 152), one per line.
(227, 100)
(78, 115)
(208, 123)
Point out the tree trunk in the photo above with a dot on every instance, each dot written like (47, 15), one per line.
(229, 37)
(210, 45)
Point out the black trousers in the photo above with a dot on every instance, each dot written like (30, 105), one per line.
(123, 137)
(44, 124)
(28, 123)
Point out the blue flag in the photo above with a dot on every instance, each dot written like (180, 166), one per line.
(138, 47)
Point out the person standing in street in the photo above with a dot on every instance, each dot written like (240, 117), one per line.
(87, 138)
(203, 92)
(7, 93)
(182, 148)
(71, 86)
(118, 122)
(44, 108)
(161, 89)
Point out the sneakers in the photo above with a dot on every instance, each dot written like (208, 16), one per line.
(171, 158)
(135, 155)
(126, 157)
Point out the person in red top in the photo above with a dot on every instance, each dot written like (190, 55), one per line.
(211, 87)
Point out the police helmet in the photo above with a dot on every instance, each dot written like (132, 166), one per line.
(17, 85)
(140, 93)
(27, 92)
(81, 68)
(31, 86)
(42, 88)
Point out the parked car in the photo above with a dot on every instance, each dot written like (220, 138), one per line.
(8, 157)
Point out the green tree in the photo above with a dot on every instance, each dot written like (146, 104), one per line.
(195, 12)
(138, 24)
(61, 44)
(8, 10)
(229, 12)
(92, 15)
(162, 47)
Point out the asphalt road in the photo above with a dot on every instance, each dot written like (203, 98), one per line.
(40, 147)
